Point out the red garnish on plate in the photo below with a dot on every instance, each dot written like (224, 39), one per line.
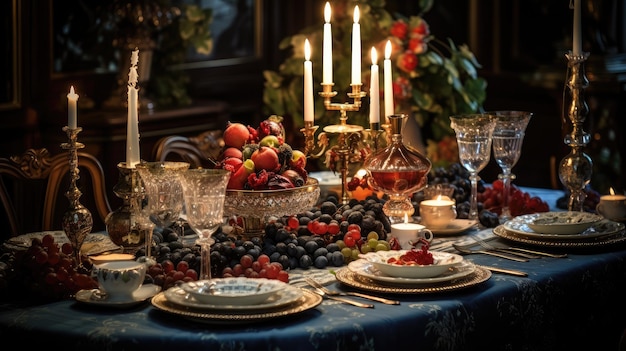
(414, 257)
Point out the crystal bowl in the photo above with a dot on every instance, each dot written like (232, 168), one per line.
(254, 206)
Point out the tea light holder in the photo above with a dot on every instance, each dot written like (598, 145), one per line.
(77, 221)
(437, 213)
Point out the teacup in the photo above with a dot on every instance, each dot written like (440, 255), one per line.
(437, 214)
(118, 280)
(612, 207)
(409, 234)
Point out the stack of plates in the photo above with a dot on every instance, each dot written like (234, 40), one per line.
(562, 229)
(449, 272)
(235, 300)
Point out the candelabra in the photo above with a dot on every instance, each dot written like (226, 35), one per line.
(575, 169)
(77, 220)
(349, 147)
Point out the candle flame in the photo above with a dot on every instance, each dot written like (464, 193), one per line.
(611, 191)
(406, 218)
(307, 50)
(356, 14)
(72, 95)
(327, 12)
(360, 173)
(439, 198)
(388, 50)
(374, 56)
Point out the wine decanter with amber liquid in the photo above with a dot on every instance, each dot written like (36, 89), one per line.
(398, 170)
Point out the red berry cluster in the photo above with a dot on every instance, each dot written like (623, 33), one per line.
(167, 275)
(520, 202)
(414, 257)
(50, 271)
(259, 268)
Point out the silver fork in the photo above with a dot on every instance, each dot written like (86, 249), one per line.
(517, 250)
(315, 284)
(341, 299)
(490, 247)
(466, 250)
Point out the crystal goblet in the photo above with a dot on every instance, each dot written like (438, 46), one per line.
(204, 191)
(163, 194)
(507, 139)
(473, 135)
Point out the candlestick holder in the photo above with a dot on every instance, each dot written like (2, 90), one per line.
(125, 225)
(575, 168)
(77, 220)
(353, 141)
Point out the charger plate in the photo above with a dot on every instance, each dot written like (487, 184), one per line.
(309, 300)
(355, 280)
(595, 242)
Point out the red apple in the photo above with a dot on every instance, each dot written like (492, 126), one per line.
(236, 135)
(231, 163)
(265, 158)
(231, 152)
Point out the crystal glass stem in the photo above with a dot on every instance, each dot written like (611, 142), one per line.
(473, 213)
(506, 178)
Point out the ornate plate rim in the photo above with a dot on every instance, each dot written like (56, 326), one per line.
(526, 231)
(411, 281)
(467, 225)
(296, 293)
(307, 301)
(618, 237)
(357, 281)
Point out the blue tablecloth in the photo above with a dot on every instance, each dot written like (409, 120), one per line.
(577, 303)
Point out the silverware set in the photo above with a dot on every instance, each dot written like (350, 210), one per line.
(341, 296)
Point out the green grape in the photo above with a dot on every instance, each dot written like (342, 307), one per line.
(346, 252)
(372, 235)
(371, 243)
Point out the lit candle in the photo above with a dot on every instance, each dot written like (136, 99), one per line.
(72, 98)
(308, 83)
(356, 48)
(409, 233)
(132, 129)
(327, 73)
(577, 50)
(388, 86)
(374, 94)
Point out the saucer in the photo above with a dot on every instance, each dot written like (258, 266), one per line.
(93, 297)
(456, 226)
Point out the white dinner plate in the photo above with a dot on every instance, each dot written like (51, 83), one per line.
(519, 225)
(284, 297)
(456, 226)
(93, 297)
(366, 269)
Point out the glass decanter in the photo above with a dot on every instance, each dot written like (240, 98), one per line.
(398, 170)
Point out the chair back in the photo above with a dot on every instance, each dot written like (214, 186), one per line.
(200, 151)
(33, 187)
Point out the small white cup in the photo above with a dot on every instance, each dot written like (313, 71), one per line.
(612, 207)
(118, 280)
(437, 214)
(409, 234)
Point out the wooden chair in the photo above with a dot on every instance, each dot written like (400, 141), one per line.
(30, 185)
(199, 151)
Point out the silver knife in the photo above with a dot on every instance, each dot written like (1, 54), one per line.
(506, 271)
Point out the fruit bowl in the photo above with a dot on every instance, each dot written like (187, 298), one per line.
(442, 262)
(254, 206)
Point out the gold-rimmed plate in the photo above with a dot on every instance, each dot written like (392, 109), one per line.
(354, 280)
(367, 269)
(522, 225)
(286, 296)
(307, 301)
(600, 241)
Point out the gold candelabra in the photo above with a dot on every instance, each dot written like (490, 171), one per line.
(349, 147)
(77, 220)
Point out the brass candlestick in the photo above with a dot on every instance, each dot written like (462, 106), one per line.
(575, 169)
(123, 224)
(77, 220)
(349, 148)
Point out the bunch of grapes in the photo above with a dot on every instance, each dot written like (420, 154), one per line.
(48, 271)
(520, 202)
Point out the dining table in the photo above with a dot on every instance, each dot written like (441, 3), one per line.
(575, 301)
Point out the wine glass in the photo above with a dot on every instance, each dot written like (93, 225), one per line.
(507, 139)
(163, 194)
(204, 191)
(473, 135)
